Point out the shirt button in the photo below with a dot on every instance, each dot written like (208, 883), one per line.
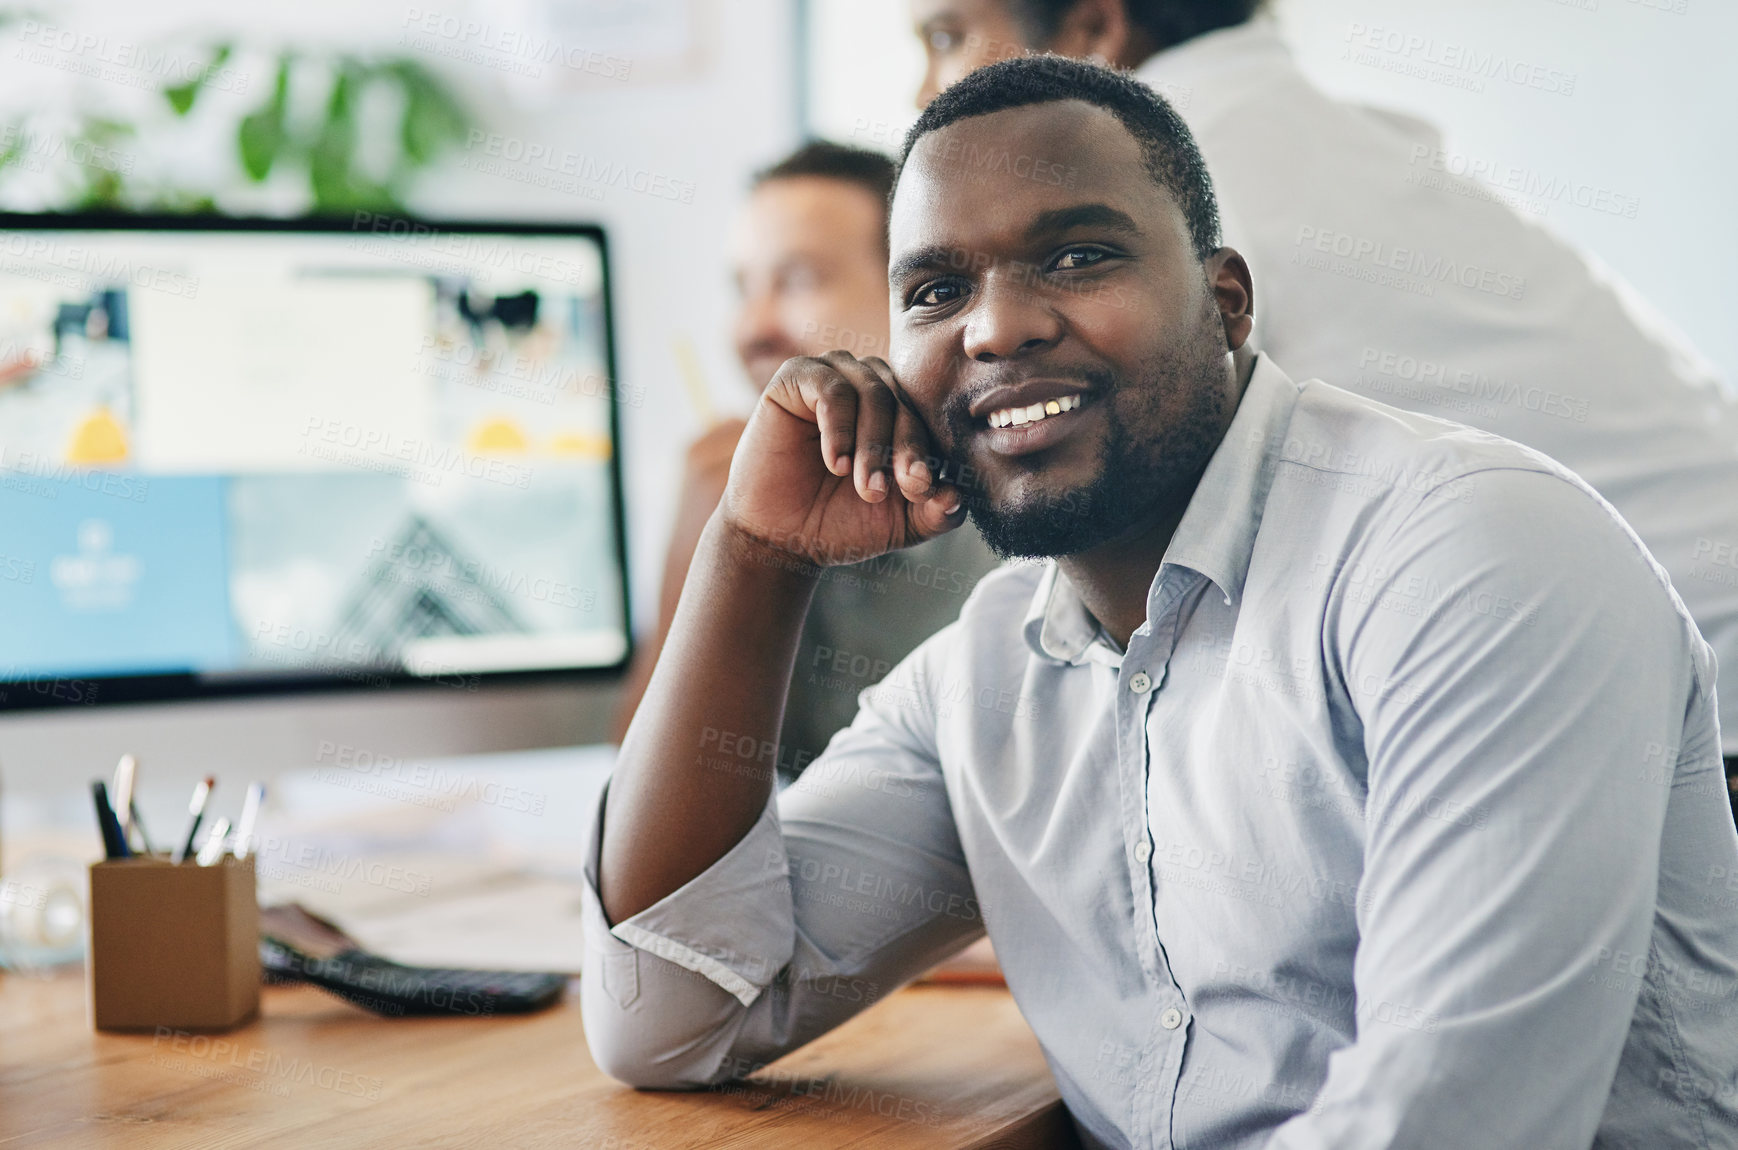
(1140, 682)
(1143, 852)
(1171, 1019)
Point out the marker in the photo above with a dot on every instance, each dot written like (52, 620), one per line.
(196, 808)
(114, 842)
(256, 794)
(212, 851)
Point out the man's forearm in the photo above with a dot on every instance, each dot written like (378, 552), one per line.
(695, 769)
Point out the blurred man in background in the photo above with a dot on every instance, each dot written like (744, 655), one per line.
(810, 255)
(1383, 272)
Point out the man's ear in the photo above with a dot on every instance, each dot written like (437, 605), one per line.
(1095, 30)
(1234, 291)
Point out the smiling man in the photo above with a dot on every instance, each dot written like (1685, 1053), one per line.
(1401, 269)
(1339, 777)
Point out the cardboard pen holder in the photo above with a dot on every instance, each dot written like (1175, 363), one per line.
(173, 945)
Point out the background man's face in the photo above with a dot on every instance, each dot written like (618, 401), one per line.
(1034, 259)
(961, 36)
(811, 273)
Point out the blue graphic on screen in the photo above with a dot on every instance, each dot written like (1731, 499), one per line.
(131, 579)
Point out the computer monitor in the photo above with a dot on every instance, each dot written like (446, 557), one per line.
(241, 456)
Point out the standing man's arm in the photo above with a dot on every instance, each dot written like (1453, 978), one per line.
(831, 469)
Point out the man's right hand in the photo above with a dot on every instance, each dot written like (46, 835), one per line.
(834, 466)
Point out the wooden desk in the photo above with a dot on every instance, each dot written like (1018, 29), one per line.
(929, 1067)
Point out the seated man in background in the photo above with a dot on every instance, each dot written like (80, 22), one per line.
(1361, 787)
(811, 275)
(1383, 273)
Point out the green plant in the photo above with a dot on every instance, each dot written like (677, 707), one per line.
(344, 165)
(330, 149)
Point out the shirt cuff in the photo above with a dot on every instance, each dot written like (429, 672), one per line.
(741, 951)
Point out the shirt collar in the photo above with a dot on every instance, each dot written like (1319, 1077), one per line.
(1217, 534)
(1209, 74)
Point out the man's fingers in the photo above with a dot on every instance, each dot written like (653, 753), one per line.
(940, 513)
(876, 410)
(913, 450)
(872, 450)
(836, 414)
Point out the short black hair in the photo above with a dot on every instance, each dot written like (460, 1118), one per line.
(871, 171)
(1168, 22)
(1172, 159)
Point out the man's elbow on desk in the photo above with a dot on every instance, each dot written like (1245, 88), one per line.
(653, 1025)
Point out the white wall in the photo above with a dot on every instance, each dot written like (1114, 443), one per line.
(707, 118)
(1652, 118)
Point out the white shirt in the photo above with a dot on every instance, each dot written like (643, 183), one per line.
(1401, 822)
(1380, 272)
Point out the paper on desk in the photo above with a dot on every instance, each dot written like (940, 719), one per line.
(461, 884)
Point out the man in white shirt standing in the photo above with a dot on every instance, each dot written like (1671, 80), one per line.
(1384, 273)
(1343, 778)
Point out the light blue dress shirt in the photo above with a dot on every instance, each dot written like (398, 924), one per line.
(1400, 823)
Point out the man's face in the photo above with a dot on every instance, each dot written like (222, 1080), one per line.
(1038, 271)
(961, 36)
(811, 273)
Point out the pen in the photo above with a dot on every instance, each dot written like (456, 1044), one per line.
(196, 808)
(256, 794)
(126, 807)
(123, 795)
(114, 842)
(212, 851)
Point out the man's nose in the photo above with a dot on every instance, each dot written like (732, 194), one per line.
(1008, 319)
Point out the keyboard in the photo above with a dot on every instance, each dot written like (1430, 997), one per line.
(394, 990)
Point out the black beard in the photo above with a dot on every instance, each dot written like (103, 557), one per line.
(1136, 479)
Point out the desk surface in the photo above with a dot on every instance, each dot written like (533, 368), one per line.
(928, 1067)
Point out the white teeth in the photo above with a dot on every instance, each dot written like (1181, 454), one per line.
(1020, 416)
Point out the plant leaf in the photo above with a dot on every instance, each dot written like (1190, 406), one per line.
(181, 96)
(261, 137)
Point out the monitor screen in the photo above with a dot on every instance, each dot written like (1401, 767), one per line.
(241, 456)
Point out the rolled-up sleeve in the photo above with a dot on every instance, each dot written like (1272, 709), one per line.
(1524, 738)
(850, 883)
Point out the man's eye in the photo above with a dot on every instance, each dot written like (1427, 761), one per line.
(936, 294)
(1076, 258)
(942, 41)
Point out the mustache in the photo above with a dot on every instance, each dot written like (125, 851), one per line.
(956, 416)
